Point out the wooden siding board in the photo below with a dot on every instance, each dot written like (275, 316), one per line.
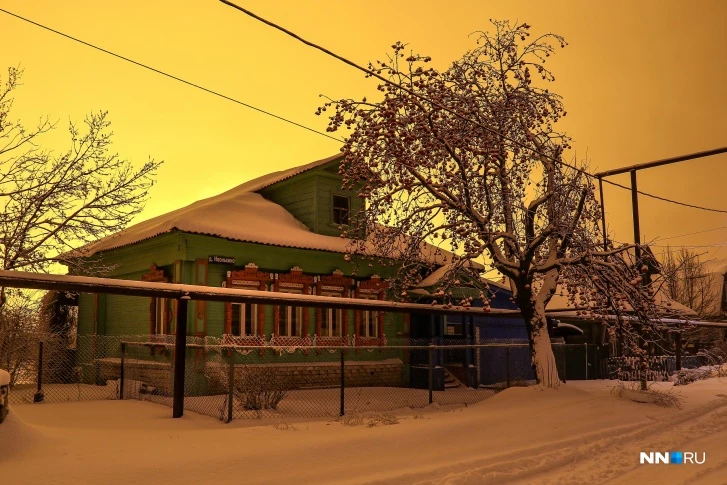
(326, 185)
(269, 257)
(85, 313)
(296, 195)
(162, 250)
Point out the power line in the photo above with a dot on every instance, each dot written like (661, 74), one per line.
(444, 108)
(664, 199)
(171, 76)
(692, 233)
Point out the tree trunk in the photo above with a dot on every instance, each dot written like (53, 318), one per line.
(541, 351)
(543, 359)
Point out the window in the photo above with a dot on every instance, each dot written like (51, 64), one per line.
(244, 319)
(332, 323)
(341, 205)
(370, 319)
(454, 329)
(291, 318)
(370, 324)
(161, 323)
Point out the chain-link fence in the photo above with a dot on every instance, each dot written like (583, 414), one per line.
(279, 379)
(66, 371)
(268, 381)
(657, 367)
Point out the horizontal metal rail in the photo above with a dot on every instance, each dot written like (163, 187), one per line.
(85, 284)
(329, 347)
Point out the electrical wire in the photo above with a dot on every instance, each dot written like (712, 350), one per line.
(171, 76)
(691, 233)
(368, 72)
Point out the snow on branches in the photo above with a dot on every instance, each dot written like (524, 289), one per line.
(53, 203)
(468, 160)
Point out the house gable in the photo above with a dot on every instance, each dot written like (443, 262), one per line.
(309, 197)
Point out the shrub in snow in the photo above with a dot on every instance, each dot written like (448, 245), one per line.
(686, 376)
(634, 392)
(258, 388)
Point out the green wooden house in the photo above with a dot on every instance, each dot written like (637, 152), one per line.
(280, 232)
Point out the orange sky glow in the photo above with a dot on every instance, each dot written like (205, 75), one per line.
(640, 80)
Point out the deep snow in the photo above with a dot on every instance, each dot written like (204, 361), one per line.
(581, 433)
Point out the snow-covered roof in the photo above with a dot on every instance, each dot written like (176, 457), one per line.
(440, 273)
(666, 305)
(716, 270)
(239, 214)
(264, 181)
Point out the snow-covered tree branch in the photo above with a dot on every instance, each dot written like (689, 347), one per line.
(52, 202)
(469, 160)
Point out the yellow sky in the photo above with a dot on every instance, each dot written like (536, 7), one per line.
(641, 81)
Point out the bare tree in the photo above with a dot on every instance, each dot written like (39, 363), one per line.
(20, 331)
(468, 160)
(53, 203)
(687, 280)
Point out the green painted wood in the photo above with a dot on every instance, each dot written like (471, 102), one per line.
(275, 258)
(296, 195)
(161, 250)
(85, 314)
(327, 185)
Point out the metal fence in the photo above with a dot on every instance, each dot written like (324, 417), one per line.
(659, 367)
(279, 379)
(273, 381)
(61, 372)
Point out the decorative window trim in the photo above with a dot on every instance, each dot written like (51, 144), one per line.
(251, 279)
(371, 289)
(156, 275)
(293, 282)
(338, 285)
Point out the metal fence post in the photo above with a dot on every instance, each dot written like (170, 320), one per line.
(586, 347)
(180, 358)
(230, 385)
(38, 396)
(507, 365)
(121, 376)
(431, 372)
(678, 349)
(343, 384)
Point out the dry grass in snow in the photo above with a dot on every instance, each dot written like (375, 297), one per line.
(581, 433)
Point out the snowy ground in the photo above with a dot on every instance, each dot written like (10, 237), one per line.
(579, 434)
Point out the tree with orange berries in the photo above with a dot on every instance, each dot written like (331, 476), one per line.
(469, 160)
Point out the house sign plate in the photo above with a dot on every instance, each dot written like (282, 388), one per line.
(221, 259)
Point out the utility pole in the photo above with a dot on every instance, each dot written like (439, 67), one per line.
(635, 211)
(632, 169)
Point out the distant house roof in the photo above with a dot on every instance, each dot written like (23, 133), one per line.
(438, 275)
(664, 304)
(716, 271)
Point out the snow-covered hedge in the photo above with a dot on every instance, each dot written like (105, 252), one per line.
(686, 376)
